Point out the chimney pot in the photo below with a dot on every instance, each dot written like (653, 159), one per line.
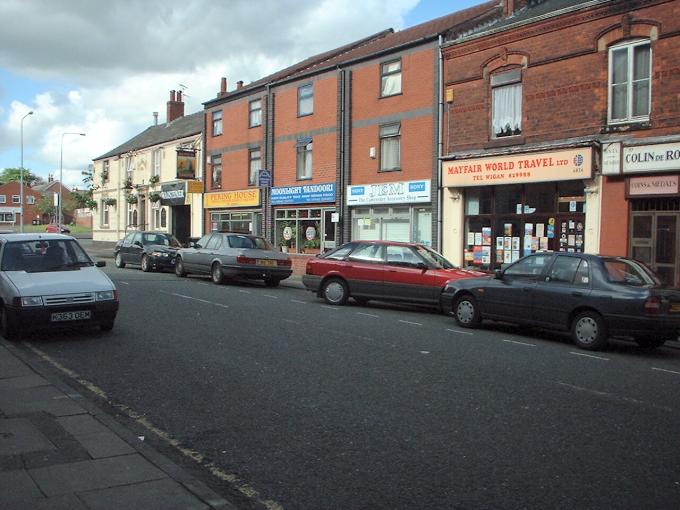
(155, 118)
(172, 95)
(239, 84)
(179, 96)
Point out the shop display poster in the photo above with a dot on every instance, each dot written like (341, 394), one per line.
(499, 256)
(478, 238)
(507, 256)
(540, 229)
(507, 243)
(572, 240)
(572, 206)
(534, 244)
(486, 236)
(544, 243)
(572, 225)
(507, 229)
(519, 208)
(528, 229)
(468, 256)
(527, 245)
(515, 255)
(499, 243)
(551, 231)
(486, 255)
(515, 243)
(471, 238)
(477, 255)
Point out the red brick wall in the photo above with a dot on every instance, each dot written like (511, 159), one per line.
(13, 188)
(614, 218)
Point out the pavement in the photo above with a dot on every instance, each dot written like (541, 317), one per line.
(60, 451)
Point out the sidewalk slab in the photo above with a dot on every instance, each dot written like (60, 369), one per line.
(162, 494)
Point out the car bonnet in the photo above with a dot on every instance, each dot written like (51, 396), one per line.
(85, 279)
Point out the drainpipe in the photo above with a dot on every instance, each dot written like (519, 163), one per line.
(440, 190)
(339, 234)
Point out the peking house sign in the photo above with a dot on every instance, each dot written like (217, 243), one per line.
(173, 193)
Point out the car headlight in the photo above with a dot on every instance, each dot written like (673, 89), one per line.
(31, 301)
(105, 295)
(158, 254)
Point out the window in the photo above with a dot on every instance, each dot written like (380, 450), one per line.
(164, 217)
(16, 199)
(157, 162)
(304, 159)
(506, 100)
(156, 215)
(217, 123)
(371, 253)
(402, 256)
(129, 168)
(254, 165)
(630, 93)
(390, 78)
(3, 199)
(216, 163)
(390, 142)
(255, 113)
(104, 219)
(131, 215)
(214, 243)
(564, 270)
(305, 100)
(30, 200)
(530, 266)
(6, 217)
(105, 171)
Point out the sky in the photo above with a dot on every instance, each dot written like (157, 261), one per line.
(102, 67)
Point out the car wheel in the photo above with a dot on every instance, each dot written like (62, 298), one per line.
(588, 331)
(216, 273)
(466, 312)
(650, 342)
(146, 264)
(106, 325)
(271, 282)
(335, 291)
(7, 326)
(119, 261)
(179, 268)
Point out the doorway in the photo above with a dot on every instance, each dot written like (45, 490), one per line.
(181, 222)
(328, 230)
(654, 240)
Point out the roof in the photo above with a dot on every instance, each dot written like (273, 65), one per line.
(43, 187)
(368, 47)
(155, 135)
(32, 237)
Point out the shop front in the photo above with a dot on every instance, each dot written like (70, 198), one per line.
(234, 211)
(173, 196)
(650, 175)
(499, 209)
(305, 217)
(391, 211)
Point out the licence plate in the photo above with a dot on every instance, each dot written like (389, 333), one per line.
(262, 262)
(675, 307)
(71, 316)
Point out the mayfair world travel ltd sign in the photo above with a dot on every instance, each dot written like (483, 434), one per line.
(559, 165)
(404, 192)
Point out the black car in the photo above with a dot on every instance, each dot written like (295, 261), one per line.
(151, 250)
(590, 295)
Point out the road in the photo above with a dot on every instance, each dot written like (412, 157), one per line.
(280, 401)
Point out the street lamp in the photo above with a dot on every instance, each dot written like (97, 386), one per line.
(61, 176)
(21, 174)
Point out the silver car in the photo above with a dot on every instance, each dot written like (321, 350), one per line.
(48, 280)
(225, 256)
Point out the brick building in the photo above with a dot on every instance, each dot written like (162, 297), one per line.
(10, 205)
(547, 111)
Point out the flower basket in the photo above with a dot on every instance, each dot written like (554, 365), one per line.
(109, 201)
(131, 199)
(154, 196)
(91, 204)
(128, 184)
(154, 179)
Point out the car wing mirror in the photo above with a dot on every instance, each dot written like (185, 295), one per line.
(100, 263)
(138, 243)
(498, 274)
(422, 266)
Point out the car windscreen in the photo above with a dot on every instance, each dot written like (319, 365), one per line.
(43, 255)
(434, 258)
(629, 272)
(160, 240)
(257, 243)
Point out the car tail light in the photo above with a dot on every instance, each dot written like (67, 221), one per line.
(653, 305)
(308, 267)
(242, 259)
(115, 295)
(285, 263)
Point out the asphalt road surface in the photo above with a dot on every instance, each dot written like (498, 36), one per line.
(280, 401)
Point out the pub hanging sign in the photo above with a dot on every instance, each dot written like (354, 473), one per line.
(186, 163)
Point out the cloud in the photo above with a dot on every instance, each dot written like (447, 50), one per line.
(119, 60)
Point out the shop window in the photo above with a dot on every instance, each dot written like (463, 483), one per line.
(390, 78)
(390, 147)
(509, 199)
(217, 123)
(6, 217)
(630, 67)
(255, 113)
(506, 100)
(539, 198)
(305, 100)
(571, 197)
(304, 158)
(216, 164)
(254, 166)
(299, 230)
(479, 201)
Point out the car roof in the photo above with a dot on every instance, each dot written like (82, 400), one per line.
(390, 243)
(34, 237)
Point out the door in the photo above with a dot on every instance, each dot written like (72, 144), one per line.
(403, 280)
(328, 230)
(654, 241)
(181, 222)
(364, 270)
(136, 249)
(191, 256)
(207, 255)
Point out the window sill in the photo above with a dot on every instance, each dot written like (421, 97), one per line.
(626, 126)
(505, 142)
(391, 95)
(384, 171)
(254, 126)
(305, 114)
(215, 135)
(303, 178)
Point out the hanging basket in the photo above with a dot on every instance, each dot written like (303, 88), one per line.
(131, 199)
(109, 201)
(154, 196)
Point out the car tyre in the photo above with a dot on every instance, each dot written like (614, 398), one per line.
(650, 342)
(146, 264)
(272, 282)
(179, 268)
(216, 274)
(588, 331)
(7, 326)
(335, 292)
(466, 312)
(119, 261)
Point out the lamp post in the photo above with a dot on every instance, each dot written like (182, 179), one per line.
(60, 218)
(21, 174)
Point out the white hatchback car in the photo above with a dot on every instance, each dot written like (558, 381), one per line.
(47, 281)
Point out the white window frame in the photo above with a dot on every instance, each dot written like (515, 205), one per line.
(304, 158)
(389, 134)
(104, 219)
(254, 165)
(16, 199)
(506, 80)
(4, 218)
(157, 162)
(215, 163)
(30, 199)
(217, 126)
(3, 199)
(306, 100)
(255, 114)
(387, 76)
(129, 168)
(630, 47)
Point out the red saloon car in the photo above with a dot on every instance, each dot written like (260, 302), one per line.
(382, 270)
(53, 228)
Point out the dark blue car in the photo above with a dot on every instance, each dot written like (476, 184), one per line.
(592, 296)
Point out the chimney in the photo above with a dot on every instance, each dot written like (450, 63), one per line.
(510, 7)
(223, 88)
(155, 118)
(49, 178)
(175, 107)
(239, 84)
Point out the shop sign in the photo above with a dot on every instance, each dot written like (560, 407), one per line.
(10, 210)
(186, 164)
(194, 187)
(173, 193)
(305, 194)
(646, 186)
(651, 158)
(404, 192)
(560, 165)
(237, 198)
(611, 158)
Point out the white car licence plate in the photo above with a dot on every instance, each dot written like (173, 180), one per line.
(71, 316)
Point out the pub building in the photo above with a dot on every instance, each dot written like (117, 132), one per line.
(498, 209)
(641, 203)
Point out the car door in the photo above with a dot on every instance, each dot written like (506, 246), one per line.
(191, 256)
(364, 269)
(205, 254)
(135, 249)
(510, 296)
(565, 286)
(403, 278)
(125, 246)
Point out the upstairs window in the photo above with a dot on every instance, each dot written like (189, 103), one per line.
(217, 123)
(390, 78)
(157, 162)
(129, 168)
(216, 163)
(30, 200)
(3, 199)
(304, 158)
(255, 113)
(630, 92)
(305, 100)
(105, 171)
(254, 166)
(16, 199)
(506, 101)
(390, 147)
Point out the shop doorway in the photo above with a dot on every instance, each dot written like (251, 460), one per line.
(654, 240)
(181, 222)
(328, 230)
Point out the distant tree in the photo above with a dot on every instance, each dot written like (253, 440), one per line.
(13, 174)
(83, 199)
(46, 206)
